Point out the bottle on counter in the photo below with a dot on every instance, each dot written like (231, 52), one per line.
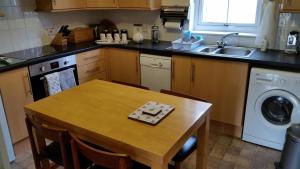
(155, 34)
(116, 36)
(124, 36)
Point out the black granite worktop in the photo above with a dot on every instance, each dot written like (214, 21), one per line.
(271, 58)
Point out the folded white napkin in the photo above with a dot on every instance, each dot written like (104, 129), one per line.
(67, 79)
(53, 84)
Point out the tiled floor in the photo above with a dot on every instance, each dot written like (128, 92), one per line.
(225, 153)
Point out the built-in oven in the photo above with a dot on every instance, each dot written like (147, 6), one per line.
(38, 71)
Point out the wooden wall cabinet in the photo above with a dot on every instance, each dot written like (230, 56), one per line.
(57, 5)
(124, 65)
(223, 83)
(69, 5)
(290, 6)
(101, 3)
(139, 4)
(91, 65)
(16, 92)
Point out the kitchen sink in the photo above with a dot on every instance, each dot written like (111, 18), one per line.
(209, 49)
(234, 51)
(228, 51)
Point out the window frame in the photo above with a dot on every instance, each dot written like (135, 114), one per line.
(220, 27)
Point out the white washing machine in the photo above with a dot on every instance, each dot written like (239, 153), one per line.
(272, 106)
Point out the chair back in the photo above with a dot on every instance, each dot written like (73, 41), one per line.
(181, 95)
(132, 85)
(38, 133)
(98, 157)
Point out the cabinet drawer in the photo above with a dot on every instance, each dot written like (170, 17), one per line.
(89, 57)
(91, 69)
(100, 76)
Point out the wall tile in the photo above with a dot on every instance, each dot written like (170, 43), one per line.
(16, 23)
(19, 39)
(4, 24)
(5, 42)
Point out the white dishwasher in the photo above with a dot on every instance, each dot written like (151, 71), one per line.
(155, 72)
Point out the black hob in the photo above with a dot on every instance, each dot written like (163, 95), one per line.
(32, 53)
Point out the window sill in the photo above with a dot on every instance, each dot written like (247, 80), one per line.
(219, 33)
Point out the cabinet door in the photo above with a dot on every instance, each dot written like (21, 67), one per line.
(146, 4)
(124, 65)
(181, 74)
(290, 5)
(68, 4)
(16, 93)
(223, 83)
(101, 3)
(133, 3)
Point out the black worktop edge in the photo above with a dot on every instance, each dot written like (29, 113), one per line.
(258, 58)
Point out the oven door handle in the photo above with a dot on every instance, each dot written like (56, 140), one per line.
(43, 78)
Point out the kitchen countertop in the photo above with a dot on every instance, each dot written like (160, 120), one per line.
(271, 58)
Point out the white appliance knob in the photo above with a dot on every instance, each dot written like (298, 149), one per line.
(43, 69)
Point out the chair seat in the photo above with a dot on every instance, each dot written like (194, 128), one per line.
(189, 146)
(53, 153)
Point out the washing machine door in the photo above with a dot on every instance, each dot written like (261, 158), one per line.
(278, 108)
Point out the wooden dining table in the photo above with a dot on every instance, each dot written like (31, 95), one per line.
(97, 111)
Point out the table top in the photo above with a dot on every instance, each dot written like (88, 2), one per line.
(101, 109)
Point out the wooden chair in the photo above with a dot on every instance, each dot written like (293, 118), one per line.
(132, 85)
(55, 151)
(191, 144)
(100, 158)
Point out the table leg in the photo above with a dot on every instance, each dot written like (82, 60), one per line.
(202, 150)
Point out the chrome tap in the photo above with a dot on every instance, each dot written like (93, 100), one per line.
(222, 43)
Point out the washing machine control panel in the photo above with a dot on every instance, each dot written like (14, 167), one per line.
(273, 79)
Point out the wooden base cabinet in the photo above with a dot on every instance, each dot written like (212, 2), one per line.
(16, 92)
(91, 65)
(123, 65)
(181, 74)
(223, 83)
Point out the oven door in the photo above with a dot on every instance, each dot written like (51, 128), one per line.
(38, 85)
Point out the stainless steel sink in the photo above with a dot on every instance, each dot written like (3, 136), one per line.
(234, 51)
(228, 51)
(209, 49)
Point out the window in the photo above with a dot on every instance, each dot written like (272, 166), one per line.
(227, 15)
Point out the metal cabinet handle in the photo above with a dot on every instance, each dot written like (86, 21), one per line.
(93, 70)
(27, 85)
(88, 58)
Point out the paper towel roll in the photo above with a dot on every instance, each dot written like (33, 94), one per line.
(173, 25)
